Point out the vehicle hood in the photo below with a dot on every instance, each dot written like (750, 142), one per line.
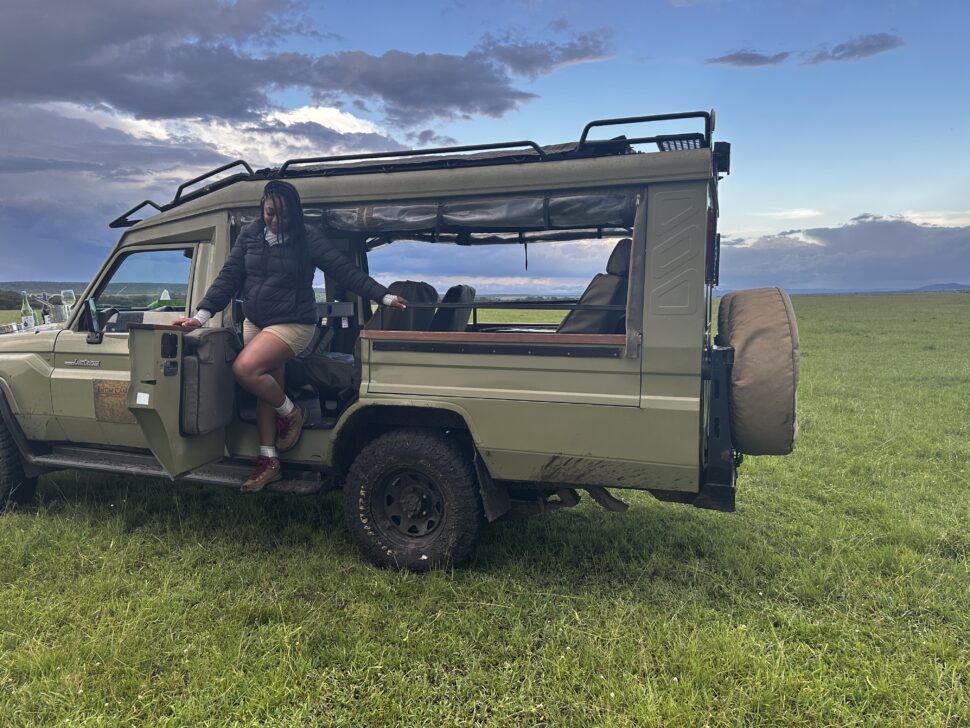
(29, 341)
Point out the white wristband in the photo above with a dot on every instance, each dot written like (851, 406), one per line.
(202, 316)
(388, 299)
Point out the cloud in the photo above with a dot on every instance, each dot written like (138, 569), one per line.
(66, 170)
(798, 213)
(747, 58)
(416, 87)
(532, 59)
(196, 59)
(428, 137)
(45, 139)
(870, 252)
(857, 48)
(943, 218)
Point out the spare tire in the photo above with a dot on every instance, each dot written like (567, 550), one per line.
(760, 325)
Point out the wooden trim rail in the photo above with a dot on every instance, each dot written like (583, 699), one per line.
(476, 337)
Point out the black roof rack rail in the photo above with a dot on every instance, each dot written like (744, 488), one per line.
(210, 173)
(122, 219)
(586, 147)
(406, 153)
(707, 116)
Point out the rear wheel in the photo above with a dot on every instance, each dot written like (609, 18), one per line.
(15, 487)
(411, 501)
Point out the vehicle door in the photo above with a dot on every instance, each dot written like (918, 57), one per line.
(152, 283)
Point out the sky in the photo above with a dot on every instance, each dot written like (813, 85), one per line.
(848, 119)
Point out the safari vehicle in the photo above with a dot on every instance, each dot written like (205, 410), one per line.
(434, 420)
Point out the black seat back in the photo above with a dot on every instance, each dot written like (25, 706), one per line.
(454, 319)
(606, 289)
(412, 318)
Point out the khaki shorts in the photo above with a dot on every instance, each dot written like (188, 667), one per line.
(296, 336)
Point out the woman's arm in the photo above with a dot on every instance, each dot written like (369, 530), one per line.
(339, 267)
(229, 280)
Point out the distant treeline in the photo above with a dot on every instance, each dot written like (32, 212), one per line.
(49, 286)
(128, 295)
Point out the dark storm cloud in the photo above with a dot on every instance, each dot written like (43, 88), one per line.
(14, 165)
(416, 87)
(63, 179)
(863, 47)
(428, 137)
(328, 140)
(37, 139)
(532, 59)
(194, 58)
(750, 59)
(871, 252)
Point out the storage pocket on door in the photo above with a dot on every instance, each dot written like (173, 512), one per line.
(208, 387)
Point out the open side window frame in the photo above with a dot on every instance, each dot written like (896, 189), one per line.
(81, 322)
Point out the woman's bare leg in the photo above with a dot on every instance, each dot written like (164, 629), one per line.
(266, 415)
(259, 370)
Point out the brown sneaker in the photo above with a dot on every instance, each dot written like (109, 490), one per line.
(289, 428)
(267, 471)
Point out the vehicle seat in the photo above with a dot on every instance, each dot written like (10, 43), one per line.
(412, 318)
(606, 289)
(454, 319)
(319, 367)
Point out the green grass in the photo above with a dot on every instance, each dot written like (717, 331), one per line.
(8, 317)
(837, 595)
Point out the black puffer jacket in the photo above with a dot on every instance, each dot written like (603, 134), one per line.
(276, 281)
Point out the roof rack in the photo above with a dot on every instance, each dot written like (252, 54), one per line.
(442, 158)
(406, 153)
(701, 140)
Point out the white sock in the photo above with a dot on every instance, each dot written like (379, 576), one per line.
(267, 452)
(284, 409)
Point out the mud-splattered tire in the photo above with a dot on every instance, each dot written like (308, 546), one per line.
(411, 501)
(760, 325)
(15, 487)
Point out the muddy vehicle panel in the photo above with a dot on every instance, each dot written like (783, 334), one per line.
(433, 420)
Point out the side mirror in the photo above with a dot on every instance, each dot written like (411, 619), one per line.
(96, 334)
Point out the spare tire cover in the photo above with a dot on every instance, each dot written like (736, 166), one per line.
(760, 325)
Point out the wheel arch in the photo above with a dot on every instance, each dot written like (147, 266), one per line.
(367, 421)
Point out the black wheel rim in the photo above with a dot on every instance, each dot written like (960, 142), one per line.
(409, 504)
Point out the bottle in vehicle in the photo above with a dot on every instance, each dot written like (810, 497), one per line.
(26, 312)
(45, 311)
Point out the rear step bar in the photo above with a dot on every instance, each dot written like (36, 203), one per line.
(227, 474)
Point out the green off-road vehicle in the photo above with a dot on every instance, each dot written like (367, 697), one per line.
(446, 416)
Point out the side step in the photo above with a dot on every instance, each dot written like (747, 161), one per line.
(229, 474)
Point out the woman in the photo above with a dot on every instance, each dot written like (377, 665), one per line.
(272, 264)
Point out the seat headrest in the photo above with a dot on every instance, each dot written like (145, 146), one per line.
(619, 262)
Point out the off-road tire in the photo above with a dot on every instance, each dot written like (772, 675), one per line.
(759, 324)
(15, 487)
(411, 501)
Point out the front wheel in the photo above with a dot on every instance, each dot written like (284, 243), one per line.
(411, 501)
(15, 487)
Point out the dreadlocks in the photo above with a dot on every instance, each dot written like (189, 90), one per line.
(284, 197)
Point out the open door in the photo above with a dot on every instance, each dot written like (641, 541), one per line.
(182, 392)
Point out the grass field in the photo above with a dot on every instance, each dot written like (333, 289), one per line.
(8, 317)
(837, 595)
